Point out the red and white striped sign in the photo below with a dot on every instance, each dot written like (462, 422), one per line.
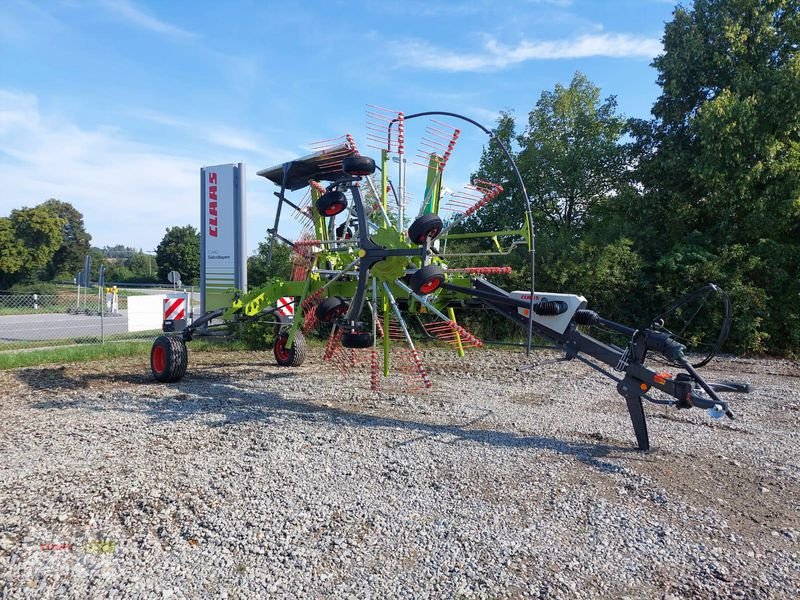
(174, 309)
(286, 306)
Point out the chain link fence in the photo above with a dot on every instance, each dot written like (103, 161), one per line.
(83, 316)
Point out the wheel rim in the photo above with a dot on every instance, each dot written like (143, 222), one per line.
(281, 353)
(432, 233)
(333, 314)
(334, 209)
(159, 359)
(430, 286)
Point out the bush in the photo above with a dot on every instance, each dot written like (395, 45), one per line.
(37, 287)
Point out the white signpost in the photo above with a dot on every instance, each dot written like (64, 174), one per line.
(223, 244)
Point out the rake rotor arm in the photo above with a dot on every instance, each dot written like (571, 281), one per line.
(688, 389)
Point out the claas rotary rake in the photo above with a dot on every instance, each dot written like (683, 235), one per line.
(374, 272)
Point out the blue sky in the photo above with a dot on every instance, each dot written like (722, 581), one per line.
(114, 105)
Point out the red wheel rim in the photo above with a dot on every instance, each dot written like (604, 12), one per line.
(159, 359)
(334, 313)
(432, 233)
(281, 353)
(334, 209)
(430, 286)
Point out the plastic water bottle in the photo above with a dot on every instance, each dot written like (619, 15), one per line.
(716, 412)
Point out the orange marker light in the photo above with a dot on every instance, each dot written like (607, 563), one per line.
(643, 386)
(661, 378)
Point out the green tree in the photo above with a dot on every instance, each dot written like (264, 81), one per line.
(574, 165)
(281, 267)
(29, 238)
(507, 211)
(70, 256)
(12, 251)
(142, 266)
(572, 158)
(179, 250)
(720, 164)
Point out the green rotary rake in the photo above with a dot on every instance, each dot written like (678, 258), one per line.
(371, 263)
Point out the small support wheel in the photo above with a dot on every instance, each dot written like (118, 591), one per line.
(343, 232)
(426, 226)
(289, 357)
(358, 165)
(331, 204)
(168, 358)
(331, 309)
(357, 339)
(427, 280)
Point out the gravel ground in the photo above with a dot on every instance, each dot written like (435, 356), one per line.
(247, 480)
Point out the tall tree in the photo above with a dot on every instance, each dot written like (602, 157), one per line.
(721, 162)
(29, 237)
(507, 211)
(179, 250)
(574, 163)
(572, 158)
(71, 254)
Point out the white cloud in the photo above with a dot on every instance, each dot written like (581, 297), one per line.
(128, 192)
(218, 135)
(21, 20)
(497, 56)
(134, 15)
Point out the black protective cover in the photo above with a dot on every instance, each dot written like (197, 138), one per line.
(315, 166)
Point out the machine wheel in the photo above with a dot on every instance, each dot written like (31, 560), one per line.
(427, 280)
(331, 308)
(424, 227)
(290, 357)
(343, 232)
(358, 165)
(168, 358)
(331, 204)
(357, 339)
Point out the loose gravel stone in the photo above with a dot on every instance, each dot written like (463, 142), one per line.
(249, 480)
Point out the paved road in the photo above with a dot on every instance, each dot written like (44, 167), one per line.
(56, 326)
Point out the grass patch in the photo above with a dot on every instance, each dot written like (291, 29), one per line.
(89, 352)
(13, 360)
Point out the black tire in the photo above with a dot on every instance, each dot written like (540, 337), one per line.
(357, 339)
(331, 204)
(168, 358)
(427, 280)
(358, 165)
(289, 357)
(424, 227)
(330, 309)
(343, 232)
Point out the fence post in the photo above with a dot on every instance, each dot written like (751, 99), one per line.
(101, 284)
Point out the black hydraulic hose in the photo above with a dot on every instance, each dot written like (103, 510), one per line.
(528, 213)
